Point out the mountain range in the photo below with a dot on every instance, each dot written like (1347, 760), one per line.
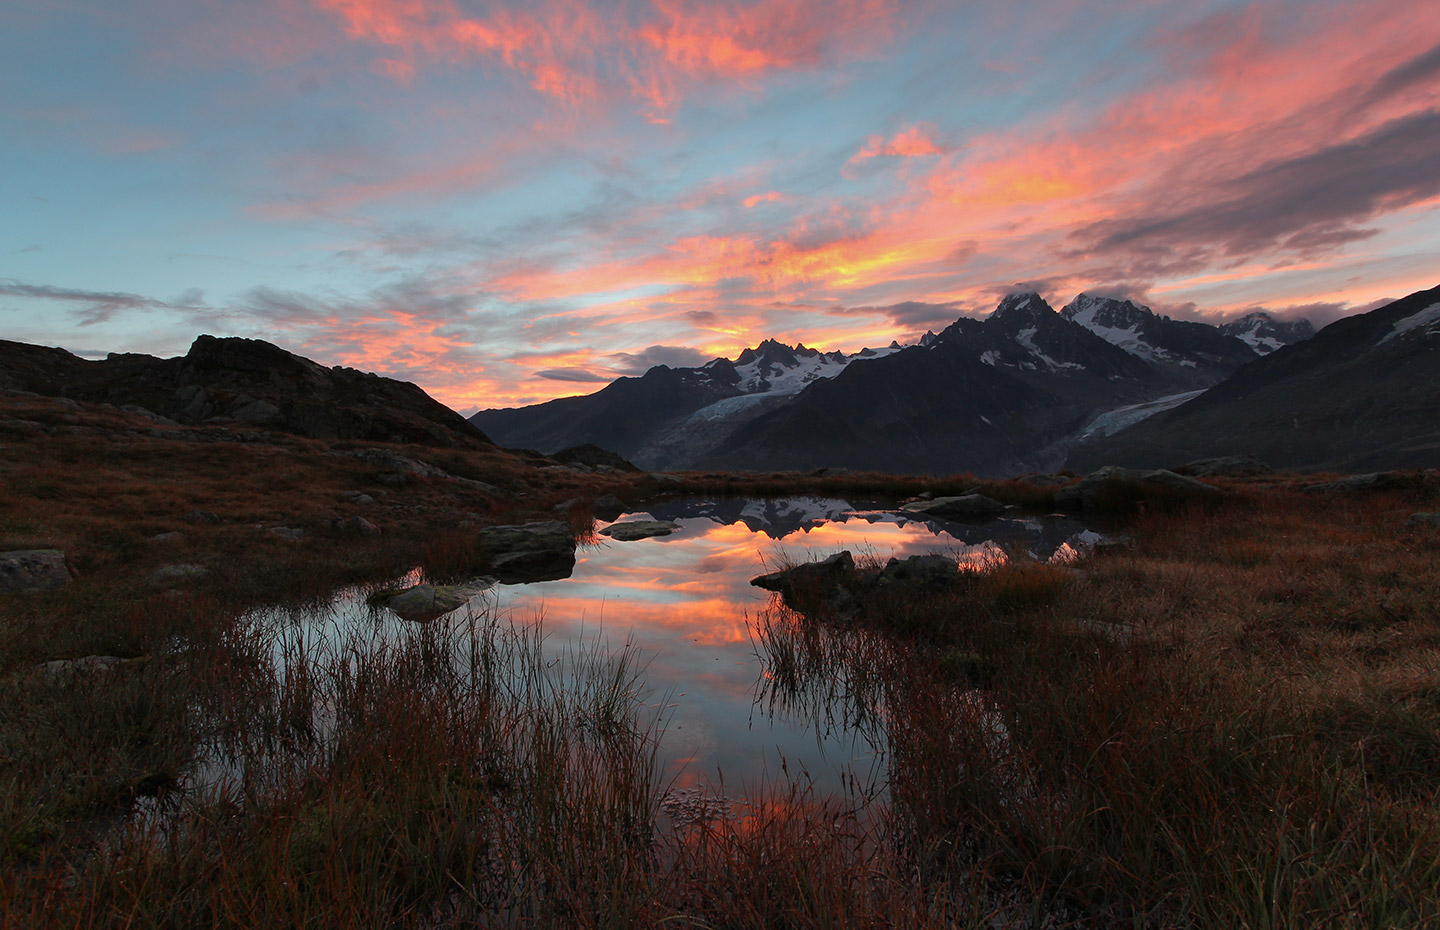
(1009, 393)
(1362, 395)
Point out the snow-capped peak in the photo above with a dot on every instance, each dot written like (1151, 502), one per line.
(1265, 334)
(776, 368)
(1119, 322)
(1021, 307)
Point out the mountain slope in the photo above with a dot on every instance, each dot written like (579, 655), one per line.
(1361, 394)
(1265, 334)
(1191, 354)
(989, 396)
(248, 381)
(660, 419)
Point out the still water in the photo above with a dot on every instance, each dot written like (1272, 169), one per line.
(682, 607)
(685, 603)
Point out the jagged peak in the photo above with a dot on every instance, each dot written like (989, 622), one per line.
(1028, 305)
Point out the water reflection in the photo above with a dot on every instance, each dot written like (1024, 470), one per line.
(685, 602)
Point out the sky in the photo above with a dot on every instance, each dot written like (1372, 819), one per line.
(507, 202)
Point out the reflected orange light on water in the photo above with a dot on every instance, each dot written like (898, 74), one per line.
(686, 602)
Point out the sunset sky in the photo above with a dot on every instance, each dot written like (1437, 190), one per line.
(507, 202)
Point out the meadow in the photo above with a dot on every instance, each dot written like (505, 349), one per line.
(1231, 721)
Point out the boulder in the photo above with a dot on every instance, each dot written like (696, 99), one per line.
(1088, 493)
(803, 585)
(967, 508)
(592, 456)
(178, 574)
(1423, 519)
(526, 552)
(353, 526)
(1373, 481)
(1229, 466)
(63, 670)
(608, 507)
(639, 529)
(25, 571)
(920, 571)
(173, 538)
(425, 602)
(291, 533)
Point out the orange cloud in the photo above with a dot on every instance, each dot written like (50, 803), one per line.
(915, 142)
(569, 50)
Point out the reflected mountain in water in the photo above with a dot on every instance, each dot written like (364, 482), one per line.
(1043, 538)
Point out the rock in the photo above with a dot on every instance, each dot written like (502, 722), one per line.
(66, 669)
(639, 529)
(804, 585)
(425, 602)
(1088, 493)
(25, 571)
(660, 477)
(1161, 478)
(147, 414)
(200, 516)
(521, 553)
(167, 539)
(182, 573)
(592, 456)
(922, 571)
(353, 526)
(393, 462)
(967, 508)
(258, 412)
(1371, 482)
(1229, 466)
(608, 507)
(1423, 519)
(287, 532)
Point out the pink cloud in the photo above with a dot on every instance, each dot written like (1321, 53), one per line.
(573, 51)
(915, 142)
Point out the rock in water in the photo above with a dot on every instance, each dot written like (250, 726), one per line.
(920, 571)
(526, 552)
(967, 508)
(28, 570)
(425, 602)
(639, 529)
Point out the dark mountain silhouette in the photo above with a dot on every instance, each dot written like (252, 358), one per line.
(244, 381)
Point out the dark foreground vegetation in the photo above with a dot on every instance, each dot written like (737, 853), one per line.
(1232, 722)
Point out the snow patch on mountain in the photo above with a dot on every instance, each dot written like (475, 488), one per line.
(1118, 323)
(1026, 338)
(1265, 334)
(1426, 317)
(1113, 421)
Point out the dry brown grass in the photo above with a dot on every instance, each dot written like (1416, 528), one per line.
(1235, 722)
